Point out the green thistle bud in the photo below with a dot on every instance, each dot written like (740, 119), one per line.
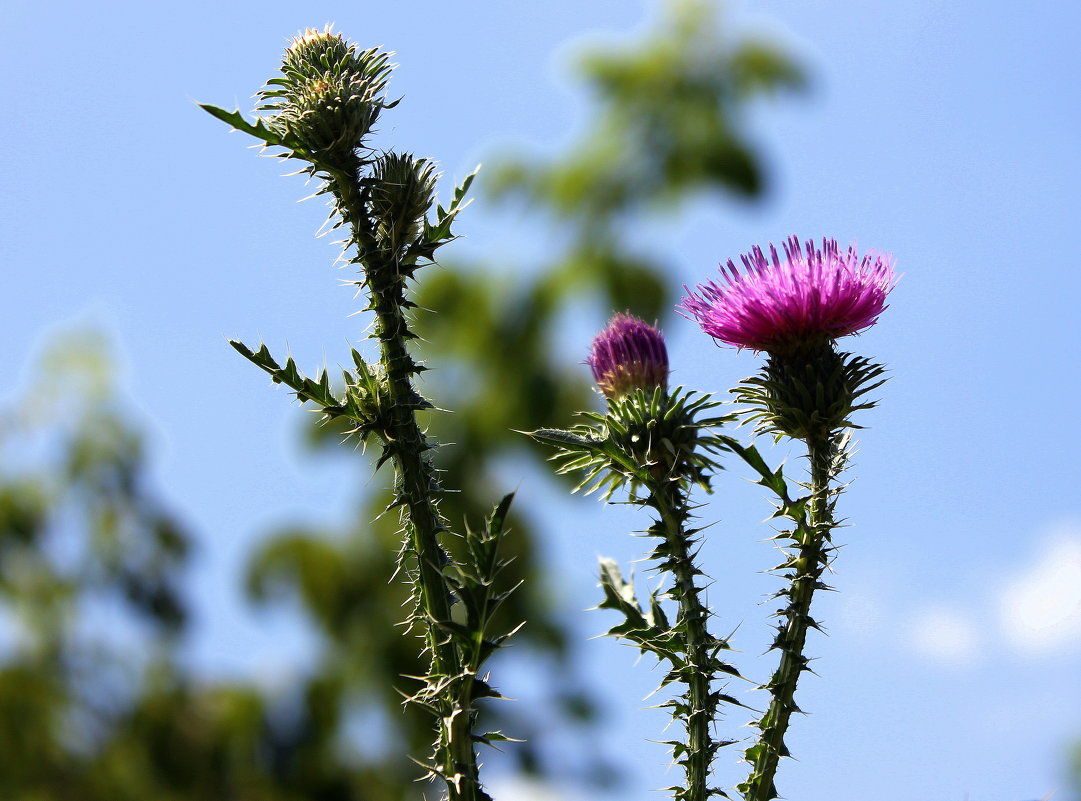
(328, 97)
(402, 192)
(810, 394)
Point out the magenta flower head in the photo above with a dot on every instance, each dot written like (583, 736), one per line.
(629, 354)
(809, 298)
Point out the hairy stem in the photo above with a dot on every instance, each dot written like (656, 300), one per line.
(700, 709)
(417, 487)
(807, 566)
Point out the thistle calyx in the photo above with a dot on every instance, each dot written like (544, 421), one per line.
(641, 439)
(809, 394)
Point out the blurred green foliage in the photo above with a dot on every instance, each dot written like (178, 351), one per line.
(94, 705)
(1075, 770)
(85, 542)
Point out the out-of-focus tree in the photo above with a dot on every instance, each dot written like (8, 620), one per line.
(93, 703)
(1075, 770)
(81, 536)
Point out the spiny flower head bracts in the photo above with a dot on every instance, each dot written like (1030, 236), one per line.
(629, 354)
(327, 98)
(642, 437)
(811, 297)
(313, 47)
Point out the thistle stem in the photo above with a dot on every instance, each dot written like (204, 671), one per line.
(670, 501)
(417, 489)
(807, 569)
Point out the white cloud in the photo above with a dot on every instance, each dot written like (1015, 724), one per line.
(1035, 610)
(945, 635)
(517, 788)
(1040, 607)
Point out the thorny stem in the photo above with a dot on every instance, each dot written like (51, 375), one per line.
(807, 569)
(669, 499)
(418, 487)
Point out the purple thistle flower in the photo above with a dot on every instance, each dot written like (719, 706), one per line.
(629, 354)
(809, 298)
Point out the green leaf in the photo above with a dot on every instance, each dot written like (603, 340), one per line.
(566, 438)
(305, 389)
(499, 515)
(496, 736)
(259, 129)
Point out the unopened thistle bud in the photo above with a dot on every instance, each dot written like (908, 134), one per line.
(629, 354)
(329, 96)
(402, 192)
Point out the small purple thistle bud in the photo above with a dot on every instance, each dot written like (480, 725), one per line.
(629, 354)
(808, 299)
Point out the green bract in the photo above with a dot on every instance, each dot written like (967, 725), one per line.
(643, 437)
(809, 395)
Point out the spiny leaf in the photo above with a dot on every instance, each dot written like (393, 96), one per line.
(259, 129)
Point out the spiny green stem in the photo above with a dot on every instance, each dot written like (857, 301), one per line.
(417, 483)
(669, 499)
(807, 567)
(418, 487)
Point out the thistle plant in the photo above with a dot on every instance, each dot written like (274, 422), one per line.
(321, 110)
(657, 445)
(794, 309)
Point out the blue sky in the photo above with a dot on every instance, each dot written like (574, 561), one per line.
(945, 133)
